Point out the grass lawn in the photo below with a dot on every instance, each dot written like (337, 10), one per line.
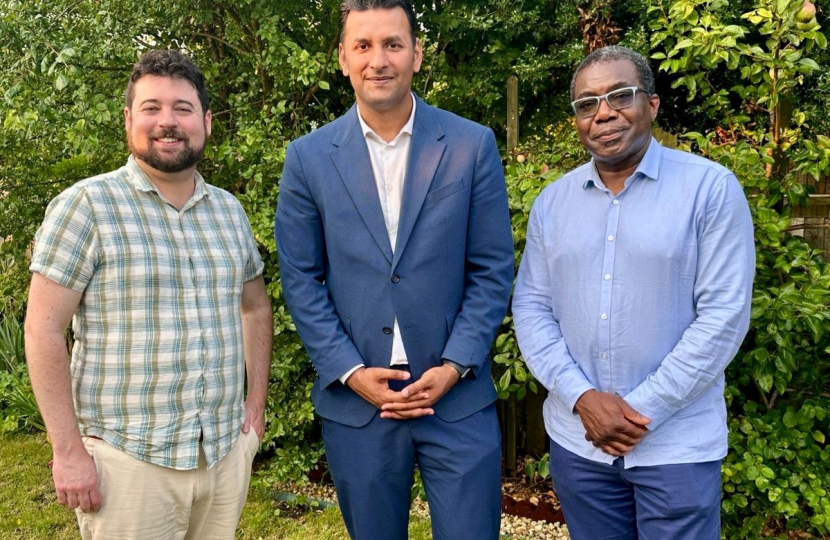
(29, 509)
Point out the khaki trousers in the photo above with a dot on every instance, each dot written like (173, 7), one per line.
(142, 501)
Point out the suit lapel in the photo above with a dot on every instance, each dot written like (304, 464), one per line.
(425, 153)
(351, 157)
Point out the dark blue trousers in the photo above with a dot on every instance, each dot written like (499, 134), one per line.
(664, 502)
(460, 463)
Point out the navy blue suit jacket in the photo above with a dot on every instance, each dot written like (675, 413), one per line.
(448, 281)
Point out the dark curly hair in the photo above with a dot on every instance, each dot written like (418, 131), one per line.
(168, 63)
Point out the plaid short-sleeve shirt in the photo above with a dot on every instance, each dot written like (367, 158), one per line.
(158, 361)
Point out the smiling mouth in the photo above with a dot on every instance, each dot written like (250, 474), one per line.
(608, 135)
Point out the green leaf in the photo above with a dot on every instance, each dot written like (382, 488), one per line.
(323, 84)
(818, 436)
(684, 44)
(504, 381)
(765, 381)
(61, 82)
(790, 418)
(734, 30)
(809, 63)
(544, 468)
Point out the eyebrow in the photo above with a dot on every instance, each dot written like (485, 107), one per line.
(158, 102)
(611, 88)
(389, 39)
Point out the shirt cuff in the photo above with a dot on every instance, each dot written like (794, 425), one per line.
(649, 405)
(571, 393)
(343, 378)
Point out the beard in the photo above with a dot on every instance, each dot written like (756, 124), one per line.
(186, 158)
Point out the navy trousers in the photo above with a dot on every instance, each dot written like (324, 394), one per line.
(663, 502)
(460, 463)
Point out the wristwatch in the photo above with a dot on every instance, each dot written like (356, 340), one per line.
(462, 370)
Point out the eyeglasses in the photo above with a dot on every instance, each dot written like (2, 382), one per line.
(616, 99)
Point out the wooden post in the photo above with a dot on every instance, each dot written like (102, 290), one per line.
(510, 413)
(512, 113)
(510, 437)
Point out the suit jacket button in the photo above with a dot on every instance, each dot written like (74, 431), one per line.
(387, 330)
(395, 278)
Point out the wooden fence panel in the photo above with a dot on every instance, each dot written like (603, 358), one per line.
(815, 217)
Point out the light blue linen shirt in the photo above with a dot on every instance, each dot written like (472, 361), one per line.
(645, 294)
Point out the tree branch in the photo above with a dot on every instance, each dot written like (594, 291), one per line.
(323, 73)
(220, 40)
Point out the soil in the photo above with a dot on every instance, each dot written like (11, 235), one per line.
(533, 500)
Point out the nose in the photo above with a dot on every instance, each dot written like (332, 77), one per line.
(605, 111)
(379, 59)
(167, 117)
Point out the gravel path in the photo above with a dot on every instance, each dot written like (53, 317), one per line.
(511, 526)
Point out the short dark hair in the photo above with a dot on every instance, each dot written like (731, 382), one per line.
(612, 54)
(347, 6)
(168, 63)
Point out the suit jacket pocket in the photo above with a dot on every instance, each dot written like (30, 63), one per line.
(445, 191)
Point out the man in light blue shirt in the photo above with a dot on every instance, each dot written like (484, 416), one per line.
(632, 298)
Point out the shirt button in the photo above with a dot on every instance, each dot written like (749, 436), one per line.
(395, 278)
(616, 201)
(389, 188)
(611, 238)
(604, 316)
(604, 356)
(387, 330)
(607, 277)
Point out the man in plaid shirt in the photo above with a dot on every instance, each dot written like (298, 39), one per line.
(152, 428)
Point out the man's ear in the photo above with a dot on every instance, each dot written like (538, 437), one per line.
(653, 105)
(419, 56)
(208, 123)
(128, 120)
(341, 57)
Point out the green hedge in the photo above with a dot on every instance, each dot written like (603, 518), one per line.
(731, 70)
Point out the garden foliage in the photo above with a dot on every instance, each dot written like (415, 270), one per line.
(745, 82)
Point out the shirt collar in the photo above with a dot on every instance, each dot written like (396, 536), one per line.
(649, 166)
(140, 180)
(407, 128)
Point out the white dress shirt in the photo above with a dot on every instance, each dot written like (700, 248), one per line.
(389, 160)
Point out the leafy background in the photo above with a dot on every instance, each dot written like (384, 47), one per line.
(741, 83)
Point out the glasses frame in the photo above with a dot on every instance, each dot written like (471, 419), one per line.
(599, 99)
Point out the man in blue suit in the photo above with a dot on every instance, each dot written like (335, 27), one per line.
(396, 260)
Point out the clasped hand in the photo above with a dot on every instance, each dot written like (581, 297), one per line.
(610, 423)
(415, 400)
